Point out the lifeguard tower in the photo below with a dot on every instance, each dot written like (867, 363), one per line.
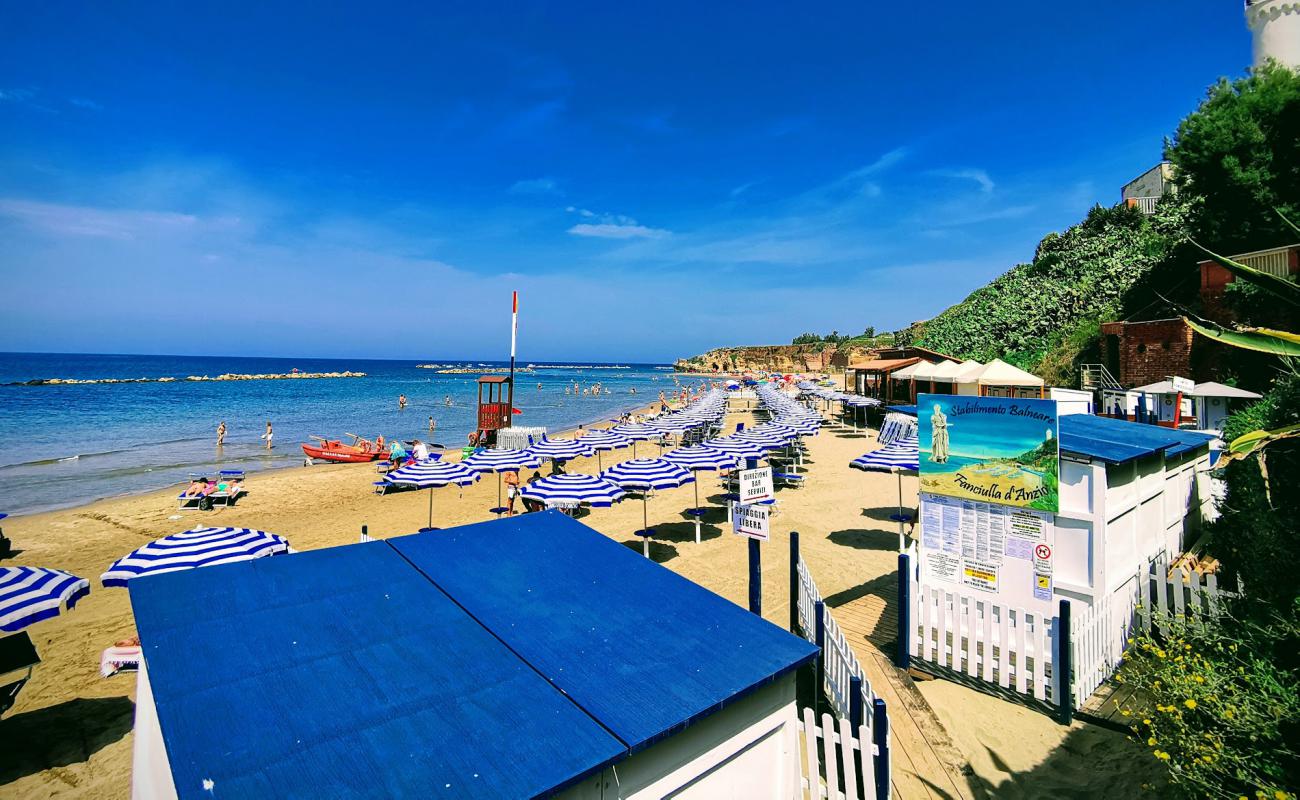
(496, 402)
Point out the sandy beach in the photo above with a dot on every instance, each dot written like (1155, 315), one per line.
(70, 732)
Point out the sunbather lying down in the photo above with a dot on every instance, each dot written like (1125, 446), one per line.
(200, 488)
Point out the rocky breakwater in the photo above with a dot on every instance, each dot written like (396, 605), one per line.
(785, 358)
(229, 376)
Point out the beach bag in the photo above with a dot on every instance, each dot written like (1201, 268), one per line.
(205, 504)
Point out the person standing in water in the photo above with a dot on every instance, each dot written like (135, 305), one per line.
(268, 435)
(432, 424)
(221, 433)
(938, 436)
(401, 401)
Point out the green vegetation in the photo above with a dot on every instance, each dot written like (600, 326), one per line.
(1237, 166)
(1078, 278)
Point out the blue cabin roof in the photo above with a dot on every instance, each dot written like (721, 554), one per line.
(513, 657)
(1115, 441)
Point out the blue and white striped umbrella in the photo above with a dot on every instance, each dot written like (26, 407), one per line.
(698, 457)
(702, 456)
(901, 456)
(766, 437)
(740, 447)
(433, 475)
(645, 474)
(606, 440)
(560, 449)
(573, 489)
(675, 423)
(638, 431)
(503, 460)
(201, 547)
(806, 426)
(31, 594)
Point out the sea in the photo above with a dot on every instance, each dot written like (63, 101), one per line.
(65, 445)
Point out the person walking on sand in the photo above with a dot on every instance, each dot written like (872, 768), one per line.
(511, 479)
(268, 435)
(221, 433)
(938, 436)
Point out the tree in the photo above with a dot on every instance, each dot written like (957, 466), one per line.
(1238, 154)
(870, 332)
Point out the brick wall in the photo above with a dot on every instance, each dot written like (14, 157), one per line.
(1151, 351)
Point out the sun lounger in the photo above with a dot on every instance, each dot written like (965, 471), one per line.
(789, 478)
(187, 502)
(17, 659)
(119, 659)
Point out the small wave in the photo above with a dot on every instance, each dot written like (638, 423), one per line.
(71, 458)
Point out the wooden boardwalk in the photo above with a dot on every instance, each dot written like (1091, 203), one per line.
(926, 764)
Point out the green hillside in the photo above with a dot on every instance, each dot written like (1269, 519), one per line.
(1040, 316)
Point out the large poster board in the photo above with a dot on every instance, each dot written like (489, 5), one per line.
(990, 449)
(990, 548)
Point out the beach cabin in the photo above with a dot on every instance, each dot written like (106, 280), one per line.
(528, 656)
(873, 378)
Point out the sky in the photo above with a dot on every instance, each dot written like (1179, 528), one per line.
(373, 180)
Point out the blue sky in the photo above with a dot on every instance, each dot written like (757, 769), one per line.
(374, 179)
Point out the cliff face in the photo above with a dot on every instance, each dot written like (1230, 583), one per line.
(774, 358)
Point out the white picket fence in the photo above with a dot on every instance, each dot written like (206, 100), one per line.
(968, 633)
(840, 663)
(837, 762)
(1099, 634)
(1015, 650)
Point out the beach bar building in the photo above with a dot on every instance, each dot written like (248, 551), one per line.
(529, 656)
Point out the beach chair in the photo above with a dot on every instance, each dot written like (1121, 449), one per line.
(17, 660)
(119, 659)
(789, 479)
(227, 498)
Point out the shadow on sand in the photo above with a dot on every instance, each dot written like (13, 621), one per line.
(659, 552)
(685, 532)
(865, 540)
(883, 514)
(62, 734)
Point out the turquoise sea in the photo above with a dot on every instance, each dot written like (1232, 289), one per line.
(66, 445)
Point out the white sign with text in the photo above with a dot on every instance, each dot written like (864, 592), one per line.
(755, 485)
(751, 521)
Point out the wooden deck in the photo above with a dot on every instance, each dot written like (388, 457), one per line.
(926, 764)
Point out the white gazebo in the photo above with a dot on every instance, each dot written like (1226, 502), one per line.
(999, 379)
(1207, 402)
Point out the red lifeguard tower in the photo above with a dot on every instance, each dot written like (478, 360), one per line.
(496, 402)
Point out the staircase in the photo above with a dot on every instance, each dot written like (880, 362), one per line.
(1095, 377)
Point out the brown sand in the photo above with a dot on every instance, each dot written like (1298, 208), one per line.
(70, 732)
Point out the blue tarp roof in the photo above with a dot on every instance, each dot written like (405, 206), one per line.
(509, 658)
(1115, 440)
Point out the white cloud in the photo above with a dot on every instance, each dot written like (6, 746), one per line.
(536, 186)
(978, 175)
(89, 105)
(611, 230)
(67, 220)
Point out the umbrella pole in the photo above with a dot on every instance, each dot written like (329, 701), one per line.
(500, 508)
(430, 508)
(645, 523)
(698, 510)
(901, 543)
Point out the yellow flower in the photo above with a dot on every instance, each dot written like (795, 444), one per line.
(1190, 703)
(1160, 653)
(1162, 755)
(1278, 794)
(1125, 712)
(1151, 742)
(1200, 679)
(1227, 712)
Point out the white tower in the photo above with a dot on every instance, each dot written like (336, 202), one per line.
(1275, 28)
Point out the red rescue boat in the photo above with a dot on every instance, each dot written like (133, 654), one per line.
(360, 451)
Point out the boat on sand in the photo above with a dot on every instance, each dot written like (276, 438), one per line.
(359, 451)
